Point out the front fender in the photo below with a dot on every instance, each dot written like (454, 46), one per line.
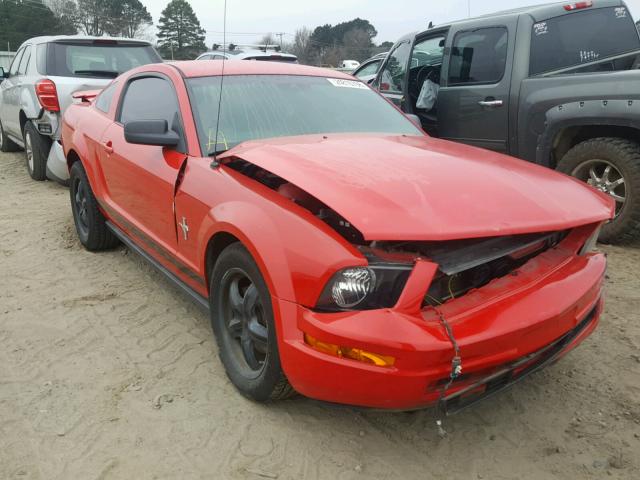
(619, 113)
(296, 252)
(295, 258)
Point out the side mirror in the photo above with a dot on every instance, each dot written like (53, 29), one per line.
(415, 119)
(150, 132)
(3, 73)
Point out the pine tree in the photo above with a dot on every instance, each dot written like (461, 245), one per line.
(180, 36)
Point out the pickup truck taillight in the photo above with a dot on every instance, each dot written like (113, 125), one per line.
(47, 95)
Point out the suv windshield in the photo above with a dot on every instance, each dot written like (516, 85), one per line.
(581, 37)
(97, 59)
(266, 106)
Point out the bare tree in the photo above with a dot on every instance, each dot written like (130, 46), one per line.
(301, 45)
(268, 39)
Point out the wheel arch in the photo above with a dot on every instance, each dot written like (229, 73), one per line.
(568, 137)
(570, 124)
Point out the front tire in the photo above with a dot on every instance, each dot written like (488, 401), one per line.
(6, 144)
(36, 148)
(90, 223)
(243, 323)
(612, 165)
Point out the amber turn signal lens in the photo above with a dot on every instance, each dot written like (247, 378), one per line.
(347, 352)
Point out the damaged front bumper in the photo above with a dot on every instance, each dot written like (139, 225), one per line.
(504, 330)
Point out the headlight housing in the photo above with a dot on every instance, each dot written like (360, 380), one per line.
(364, 288)
(591, 242)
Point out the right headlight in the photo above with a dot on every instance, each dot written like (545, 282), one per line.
(364, 288)
(591, 242)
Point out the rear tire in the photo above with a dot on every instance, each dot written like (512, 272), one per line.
(90, 223)
(36, 148)
(244, 327)
(6, 144)
(589, 160)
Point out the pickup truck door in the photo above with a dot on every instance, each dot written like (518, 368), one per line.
(10, 91)
(473, 101)
(392, 77)
(140, 180)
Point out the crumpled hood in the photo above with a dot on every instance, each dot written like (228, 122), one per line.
(420, 188)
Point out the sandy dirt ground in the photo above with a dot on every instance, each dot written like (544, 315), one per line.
(107, 371)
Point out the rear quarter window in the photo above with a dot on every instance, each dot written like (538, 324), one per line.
(581, 37)
(103, 102)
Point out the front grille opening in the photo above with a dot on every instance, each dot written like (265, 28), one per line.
(470, 264)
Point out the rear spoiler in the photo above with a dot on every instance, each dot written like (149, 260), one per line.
(86, 96)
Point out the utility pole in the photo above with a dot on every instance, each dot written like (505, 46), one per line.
(280, 35)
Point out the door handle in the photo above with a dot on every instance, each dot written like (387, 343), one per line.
(490, 103)
(108, 147)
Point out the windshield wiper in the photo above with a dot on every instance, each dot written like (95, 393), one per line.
(99, 73)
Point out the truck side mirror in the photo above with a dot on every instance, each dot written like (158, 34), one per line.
(3, 73)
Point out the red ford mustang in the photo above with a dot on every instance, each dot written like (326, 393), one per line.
(343, 253)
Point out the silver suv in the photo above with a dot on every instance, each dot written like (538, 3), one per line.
(39, 84)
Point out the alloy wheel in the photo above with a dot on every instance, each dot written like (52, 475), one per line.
(604, 176)
(28, 148)
(80, 205)
(245, 323)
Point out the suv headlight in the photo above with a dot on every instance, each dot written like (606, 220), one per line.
(591, 242)
(364, 288)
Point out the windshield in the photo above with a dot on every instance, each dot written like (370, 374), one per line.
(581, 37)
(98, 59)
(266, 106)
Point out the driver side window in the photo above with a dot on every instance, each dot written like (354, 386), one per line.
(395, 69)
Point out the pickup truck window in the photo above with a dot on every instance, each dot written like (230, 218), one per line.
(478, 56)
(395, 70)
(581, 37)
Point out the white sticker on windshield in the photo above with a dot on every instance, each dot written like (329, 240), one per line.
(540, 28)
(621, 12)
(338, 82)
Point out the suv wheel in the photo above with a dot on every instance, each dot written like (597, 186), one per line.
(90, 223)
(6, 144)
(37, 148)
(612, 165)
(242, 320)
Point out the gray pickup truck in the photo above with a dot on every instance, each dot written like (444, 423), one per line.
(554, 84)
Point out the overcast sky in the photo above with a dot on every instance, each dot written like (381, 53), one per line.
(391, 18)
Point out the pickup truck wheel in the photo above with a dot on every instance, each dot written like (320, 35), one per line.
(6, 144)
(37, 148)
(90, 223)
(612, 165)
(242, 320)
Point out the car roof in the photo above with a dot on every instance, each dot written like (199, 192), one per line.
(82, 38)
(195, 68)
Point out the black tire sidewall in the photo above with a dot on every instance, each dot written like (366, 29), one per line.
(8, 145)
(98, 236)
(625, 156)
(261, 387)
(40, 146)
